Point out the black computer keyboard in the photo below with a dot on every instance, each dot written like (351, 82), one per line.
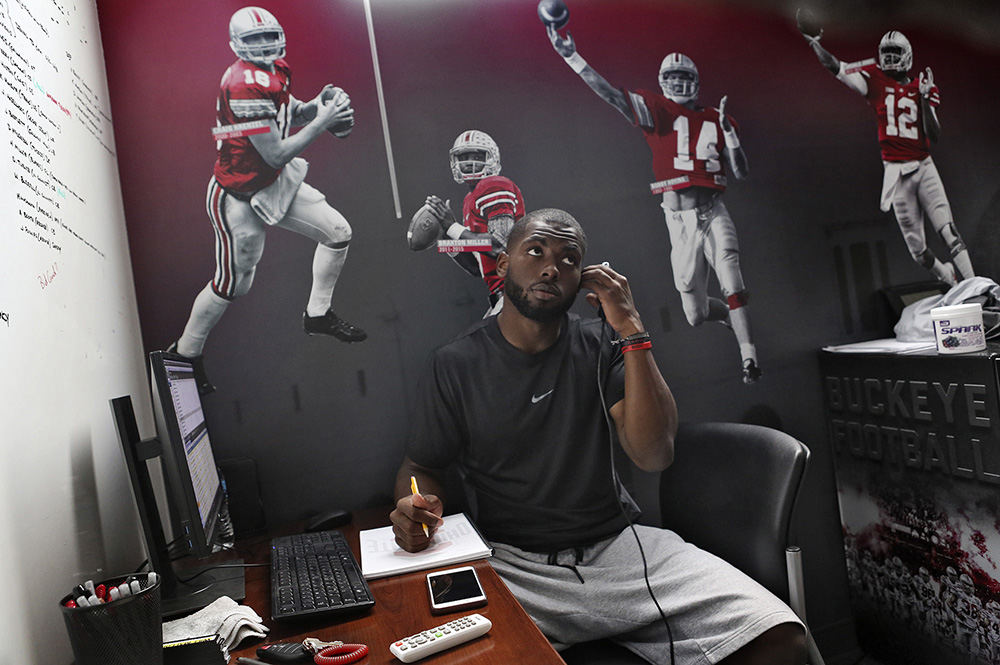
(316, 573)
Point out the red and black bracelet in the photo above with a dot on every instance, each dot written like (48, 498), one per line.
(635, 342)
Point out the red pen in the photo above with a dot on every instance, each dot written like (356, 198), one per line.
(70, 603)
(101, 591)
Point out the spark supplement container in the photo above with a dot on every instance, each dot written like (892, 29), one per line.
(959, 328)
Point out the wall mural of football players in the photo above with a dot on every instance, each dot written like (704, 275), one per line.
(684, 139)
(259, 181)
(906, 109)
(489, 210)
(291, 402)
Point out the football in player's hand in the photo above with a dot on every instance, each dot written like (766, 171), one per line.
(424, 229)
(554, 13)
(336, 96)
(341, 129)
(807, 23)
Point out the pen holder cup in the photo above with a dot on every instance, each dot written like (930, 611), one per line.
(127, 631)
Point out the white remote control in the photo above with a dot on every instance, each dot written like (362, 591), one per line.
(442, 637)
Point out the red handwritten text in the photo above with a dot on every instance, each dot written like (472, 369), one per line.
(48, 275)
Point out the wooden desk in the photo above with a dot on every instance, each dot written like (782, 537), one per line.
(401, 609)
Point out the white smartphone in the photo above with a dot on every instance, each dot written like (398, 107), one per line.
(455, 589)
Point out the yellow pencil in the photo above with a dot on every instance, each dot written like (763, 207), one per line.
(416, 490)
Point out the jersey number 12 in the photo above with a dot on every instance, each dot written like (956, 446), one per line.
(904, 122)
(704, 150)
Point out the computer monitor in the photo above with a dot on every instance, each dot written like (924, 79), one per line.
(194, 491)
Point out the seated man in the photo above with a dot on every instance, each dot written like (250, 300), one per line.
(520, 404)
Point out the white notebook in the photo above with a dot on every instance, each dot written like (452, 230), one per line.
(455, 541)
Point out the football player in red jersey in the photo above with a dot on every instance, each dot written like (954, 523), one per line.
(491, 207)
(907, 123)
(258, 181)
(689, 163)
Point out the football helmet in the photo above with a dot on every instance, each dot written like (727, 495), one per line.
(474, 156)
(256, 36)
(895, 53)
(679, 78)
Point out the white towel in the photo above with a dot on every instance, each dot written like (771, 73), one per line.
(272, 202)
(915, 324)
(890, 178)
(232, 622)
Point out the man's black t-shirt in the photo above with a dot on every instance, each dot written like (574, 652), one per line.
(528, 432)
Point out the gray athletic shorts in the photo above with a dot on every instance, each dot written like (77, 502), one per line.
(713, 608)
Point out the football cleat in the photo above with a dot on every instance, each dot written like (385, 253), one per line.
(333, 325)
(895, 53)
(953, 271)
(946, 272)
(256, 36)
(679, 78)
(751, 373)
(198, 365)
(474, 156)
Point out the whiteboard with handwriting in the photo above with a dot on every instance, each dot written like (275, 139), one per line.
(69, 327)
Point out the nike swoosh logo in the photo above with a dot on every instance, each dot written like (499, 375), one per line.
(535, 399)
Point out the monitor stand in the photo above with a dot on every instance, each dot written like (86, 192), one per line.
(178, 598)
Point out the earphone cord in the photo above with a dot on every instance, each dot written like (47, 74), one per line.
(616, 482)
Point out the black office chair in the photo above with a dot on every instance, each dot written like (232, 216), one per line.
(731, 491)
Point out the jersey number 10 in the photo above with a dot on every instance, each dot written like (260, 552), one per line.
(903, 123)
(705, 149)
(261, 77)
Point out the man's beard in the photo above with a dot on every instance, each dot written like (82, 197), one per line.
(545, 313)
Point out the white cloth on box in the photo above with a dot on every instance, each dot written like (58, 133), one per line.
(232, 622)
(272, 202)
(915, 325)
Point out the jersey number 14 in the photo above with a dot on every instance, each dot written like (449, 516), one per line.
(901, 122)
(704, 150)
